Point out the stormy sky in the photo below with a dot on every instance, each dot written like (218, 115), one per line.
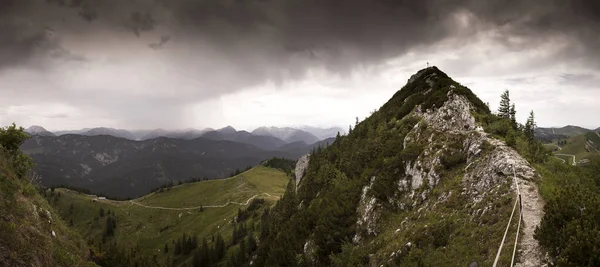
(67, 64)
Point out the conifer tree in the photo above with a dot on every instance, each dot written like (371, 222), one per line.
(242, 252)
(220, 246)
(530, 127)
(513, 116)
(251, 244)
(178, 247)
(504, 109)
(205, 256)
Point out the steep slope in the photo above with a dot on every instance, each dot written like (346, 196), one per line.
(287, 134)
(31, 233)
(159, 219)
(418, 183)
(123, 168)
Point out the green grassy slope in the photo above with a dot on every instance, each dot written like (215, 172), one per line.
(179, 212)
(239, 189)
(27, 224)
(583, 146)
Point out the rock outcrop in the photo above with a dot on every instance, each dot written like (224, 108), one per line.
(301, 167)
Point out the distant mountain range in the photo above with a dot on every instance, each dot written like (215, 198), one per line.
(551, 134)
(287, 134)
(323, 133)
(306, 134)
(110, 161)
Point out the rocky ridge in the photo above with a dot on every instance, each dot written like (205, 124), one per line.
(490, 164)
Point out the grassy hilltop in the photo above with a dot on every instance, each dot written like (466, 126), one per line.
(200, 210)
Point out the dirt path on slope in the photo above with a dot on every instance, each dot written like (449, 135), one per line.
(198, 207)
(533, 211)
(568, 155)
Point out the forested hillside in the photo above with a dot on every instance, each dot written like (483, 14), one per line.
(121, 168)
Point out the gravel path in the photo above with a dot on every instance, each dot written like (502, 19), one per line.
(198, 207)
(533, 211)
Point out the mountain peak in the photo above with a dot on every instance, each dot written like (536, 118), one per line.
(35, 129)
(227, 130)
(38, 130)
(430, 88)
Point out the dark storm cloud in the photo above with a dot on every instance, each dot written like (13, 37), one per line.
(335, 34)
(23, 40)
(140, 22)
(203, 49)
(84, 9)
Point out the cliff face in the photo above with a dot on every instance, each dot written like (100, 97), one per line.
(419, 182)
(301, 167)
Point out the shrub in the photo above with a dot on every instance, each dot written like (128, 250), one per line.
(452, 159)
(11, 139)
(440, 232)
(570, 228)
(499, 127)
(411, 152)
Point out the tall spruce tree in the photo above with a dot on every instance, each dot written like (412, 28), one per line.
(530, 127)
(504, 109)
(220, 246)
(513, 116)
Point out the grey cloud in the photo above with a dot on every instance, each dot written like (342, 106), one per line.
(340, 35)
(24, 41)
(140, 22)
(586, 80)
(83, 7)
(163, 40)
(57, 116)
(218, 47)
